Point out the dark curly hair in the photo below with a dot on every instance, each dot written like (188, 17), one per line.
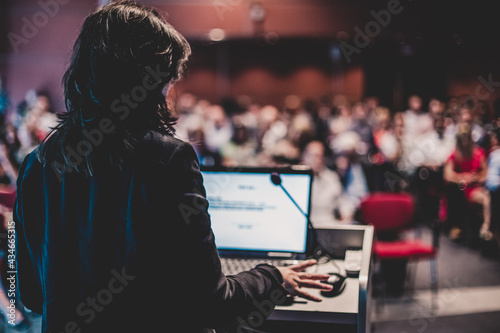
(123, 59)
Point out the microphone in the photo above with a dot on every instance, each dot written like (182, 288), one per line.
(276, 180)
(339, 283)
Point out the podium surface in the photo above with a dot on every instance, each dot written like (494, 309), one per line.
(352, 306)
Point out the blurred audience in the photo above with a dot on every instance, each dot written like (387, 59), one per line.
(354, 147)
(493, 179)
(417, 121)
(364, 129)
(466, 170)
(353, 174)
(217, 128)
(241, 148)
(326, 208)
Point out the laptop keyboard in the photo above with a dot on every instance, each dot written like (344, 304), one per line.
(232, 266)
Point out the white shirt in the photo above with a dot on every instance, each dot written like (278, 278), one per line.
(325, 196)
(493, 175)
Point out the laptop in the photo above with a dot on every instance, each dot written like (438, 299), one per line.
(253, 219)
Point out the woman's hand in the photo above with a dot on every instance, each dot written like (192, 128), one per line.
(295, 279)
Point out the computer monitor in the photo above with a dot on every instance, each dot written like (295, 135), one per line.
(250, 213)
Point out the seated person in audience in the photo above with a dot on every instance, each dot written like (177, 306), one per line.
(341, 121)
(361, 126)
(388, 134)
(326, 187)
(389, 141)
(8, 169)
(282, 153)
(430, 154)
(301, 129)
(217, 128)
(382, 124)
(371, 104)
(493, 179)
(206, 157)
(241, 149)
(321, 117)
(417, 121)
(496, 112)
(466, 169)
(271, 128)
(466, 114)
(353, 175)
(36, 123)
(189, 112)
(483, 112)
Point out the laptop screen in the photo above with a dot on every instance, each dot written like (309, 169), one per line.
(250, 213)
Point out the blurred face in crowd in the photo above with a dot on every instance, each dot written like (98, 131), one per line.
(342, 162)
(217, 115)
(494, 139)
(268, 115)
(415, 103)
(371, 103)
(465, 143)
(439, 124)
(466, 116)
(314, 156)
(383, 117)
(344, 110)
(464, 140)
(359, 111)
(483, 112)
(436, 107)
(399, 126)
(240, 133)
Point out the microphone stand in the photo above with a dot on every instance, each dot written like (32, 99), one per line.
(276, 180)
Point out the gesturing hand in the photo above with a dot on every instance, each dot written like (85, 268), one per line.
(295, 279)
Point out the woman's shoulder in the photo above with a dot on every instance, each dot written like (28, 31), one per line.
(160, 140)
(156, 146)
(479, 152)
(31, 161)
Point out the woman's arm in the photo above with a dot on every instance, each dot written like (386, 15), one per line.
(493, 173)
(481, 175)
(218, 298)
(451, 176)
(28, 279)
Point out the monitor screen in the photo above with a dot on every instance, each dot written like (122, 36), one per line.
(249, 212)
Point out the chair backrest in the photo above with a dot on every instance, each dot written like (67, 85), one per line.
(7, 198)
(388, 211)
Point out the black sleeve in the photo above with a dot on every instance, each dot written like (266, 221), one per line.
(219, 299)
(30, 290)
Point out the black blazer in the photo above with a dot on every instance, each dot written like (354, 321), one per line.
(127, 250)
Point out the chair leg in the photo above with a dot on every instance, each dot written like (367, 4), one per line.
(380, 303)
(411, 275)
(434, 284)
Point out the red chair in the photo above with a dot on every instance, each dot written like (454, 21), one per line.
(392, 213)
(7, 197)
